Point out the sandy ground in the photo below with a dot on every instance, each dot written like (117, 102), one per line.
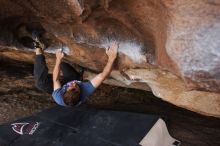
(20, 98)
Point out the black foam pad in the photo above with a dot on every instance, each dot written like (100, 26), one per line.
(79, 127)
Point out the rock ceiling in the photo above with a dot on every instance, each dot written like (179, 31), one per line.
(169, 47)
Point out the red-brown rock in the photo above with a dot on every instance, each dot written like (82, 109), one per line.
(170, 46)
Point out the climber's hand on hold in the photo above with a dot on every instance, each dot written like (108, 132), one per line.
(112, 54)
(59, 54)
(112, 51)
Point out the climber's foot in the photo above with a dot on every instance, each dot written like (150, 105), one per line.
(30, 39)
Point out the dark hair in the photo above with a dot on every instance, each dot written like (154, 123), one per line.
(71, 97)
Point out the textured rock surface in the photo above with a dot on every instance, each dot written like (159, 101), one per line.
(181, 37)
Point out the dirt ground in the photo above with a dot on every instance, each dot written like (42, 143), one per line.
(20, 98)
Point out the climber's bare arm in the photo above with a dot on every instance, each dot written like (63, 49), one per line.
(112, 54)
(56, 70)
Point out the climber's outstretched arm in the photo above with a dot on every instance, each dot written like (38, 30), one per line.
(56, 70)
(112, 54)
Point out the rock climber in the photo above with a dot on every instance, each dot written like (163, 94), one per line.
(68, 89)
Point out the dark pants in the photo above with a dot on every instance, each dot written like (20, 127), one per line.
(44, 80)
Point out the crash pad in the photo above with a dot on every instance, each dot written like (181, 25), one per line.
(78, 126)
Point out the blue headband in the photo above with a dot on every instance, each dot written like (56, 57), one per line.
(58, 94)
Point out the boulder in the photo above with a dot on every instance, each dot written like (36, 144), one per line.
(165, 46)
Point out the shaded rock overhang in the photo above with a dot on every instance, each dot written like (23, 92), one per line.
(165, 46)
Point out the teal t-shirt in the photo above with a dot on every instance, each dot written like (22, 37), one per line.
(86, 89)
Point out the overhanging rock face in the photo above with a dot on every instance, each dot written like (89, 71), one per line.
(168, 47)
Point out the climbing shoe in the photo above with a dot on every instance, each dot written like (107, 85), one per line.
(37, 43)
(29, 39)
